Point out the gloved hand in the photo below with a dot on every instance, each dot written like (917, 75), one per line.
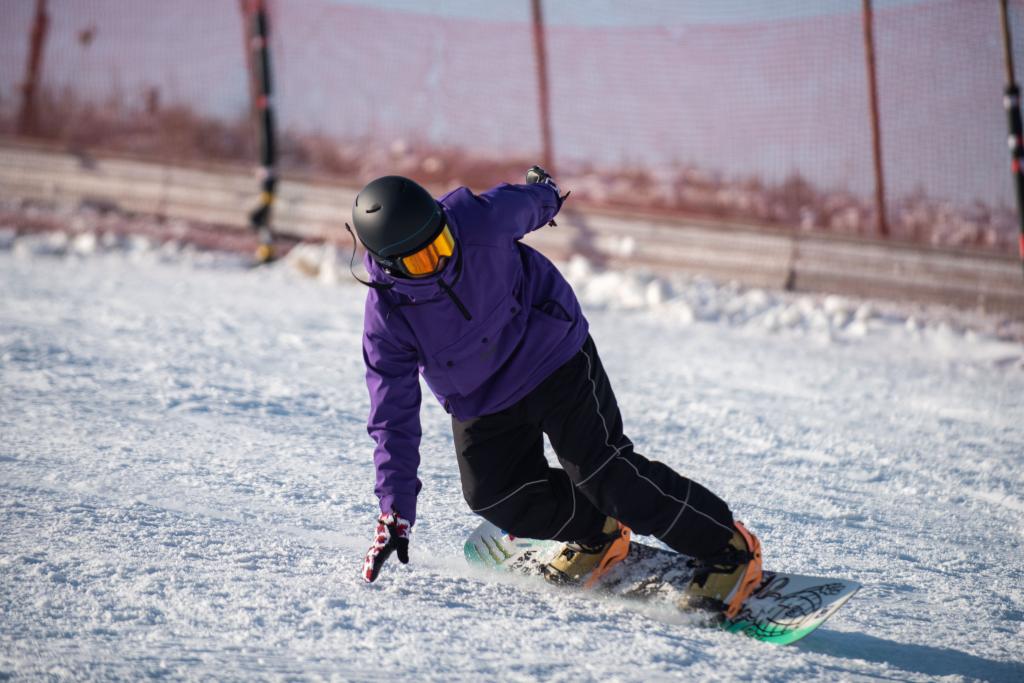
(536, 174)
(392, 534)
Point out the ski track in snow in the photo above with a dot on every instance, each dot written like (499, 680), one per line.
(187, 483)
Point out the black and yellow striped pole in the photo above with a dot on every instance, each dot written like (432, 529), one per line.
(1011, 101)
(257, 31)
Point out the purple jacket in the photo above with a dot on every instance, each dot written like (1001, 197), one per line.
(484, 332)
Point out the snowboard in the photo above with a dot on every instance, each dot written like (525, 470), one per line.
(783, 609)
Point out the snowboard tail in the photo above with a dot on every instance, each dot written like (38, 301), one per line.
(783, 609)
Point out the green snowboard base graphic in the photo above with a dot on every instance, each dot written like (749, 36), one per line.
(783, 609)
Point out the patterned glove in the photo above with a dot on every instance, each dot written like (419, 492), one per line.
(392, 534)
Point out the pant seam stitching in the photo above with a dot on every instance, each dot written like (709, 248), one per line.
(530, 483)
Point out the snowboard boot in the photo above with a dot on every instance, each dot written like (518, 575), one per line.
(584, 563)
(723, 581)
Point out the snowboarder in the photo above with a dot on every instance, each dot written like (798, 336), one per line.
(499, 337)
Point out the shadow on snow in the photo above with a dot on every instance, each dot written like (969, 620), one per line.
(923, 659)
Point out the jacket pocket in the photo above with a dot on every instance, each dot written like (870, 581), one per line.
(479, 353)
(548, 327)
(553, 309)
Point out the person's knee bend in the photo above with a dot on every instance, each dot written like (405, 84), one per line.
(508, 514)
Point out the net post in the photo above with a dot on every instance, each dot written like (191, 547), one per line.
(544, 101)
(882, 222)
(28, 122)
(1011, 102)
(258, 58)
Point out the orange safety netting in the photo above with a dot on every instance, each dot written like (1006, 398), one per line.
(755, 111)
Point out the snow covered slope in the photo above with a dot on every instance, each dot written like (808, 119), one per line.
(186, 483)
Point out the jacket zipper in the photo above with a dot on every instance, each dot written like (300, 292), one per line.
(455, 300)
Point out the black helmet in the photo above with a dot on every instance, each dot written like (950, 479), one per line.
(395, 216)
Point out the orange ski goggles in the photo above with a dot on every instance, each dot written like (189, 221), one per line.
(428, 259)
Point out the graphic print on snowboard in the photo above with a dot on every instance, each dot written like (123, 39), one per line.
(783, 609)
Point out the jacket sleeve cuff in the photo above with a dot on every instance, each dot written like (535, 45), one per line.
(404, 508)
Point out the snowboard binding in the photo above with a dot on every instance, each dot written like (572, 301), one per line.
(721, 582)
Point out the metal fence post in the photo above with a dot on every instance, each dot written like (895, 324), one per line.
(28, 122)
(876, 129)
(1011, 101)
(544, 101)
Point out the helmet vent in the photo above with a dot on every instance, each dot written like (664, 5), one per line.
(374, 208)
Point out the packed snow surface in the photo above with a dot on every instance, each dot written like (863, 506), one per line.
(186, 481)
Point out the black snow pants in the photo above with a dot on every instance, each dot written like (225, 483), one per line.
(506, 478)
